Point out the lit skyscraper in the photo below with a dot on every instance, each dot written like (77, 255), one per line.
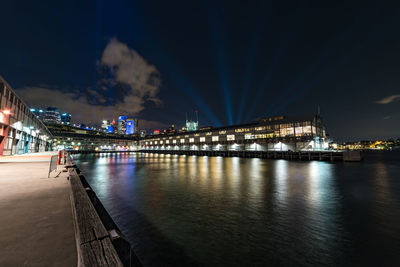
(66, 118)
(52, 115)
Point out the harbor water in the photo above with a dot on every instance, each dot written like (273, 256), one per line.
(216, 211)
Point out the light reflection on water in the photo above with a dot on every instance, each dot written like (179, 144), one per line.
(219, 211)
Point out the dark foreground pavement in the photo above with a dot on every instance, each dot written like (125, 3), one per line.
(36, 225)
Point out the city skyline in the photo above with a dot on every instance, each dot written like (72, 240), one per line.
(234, 65)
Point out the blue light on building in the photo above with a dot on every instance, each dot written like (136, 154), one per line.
(130, 126)
(110, 129)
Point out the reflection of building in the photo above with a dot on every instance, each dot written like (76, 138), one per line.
(274, 133)
(52, 115)
(20, 129)
(66, 119)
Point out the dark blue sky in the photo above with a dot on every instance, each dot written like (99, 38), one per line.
(234, 61)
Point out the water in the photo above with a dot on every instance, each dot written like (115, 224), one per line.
(215, 211)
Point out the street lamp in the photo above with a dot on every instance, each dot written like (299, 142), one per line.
(6, 112)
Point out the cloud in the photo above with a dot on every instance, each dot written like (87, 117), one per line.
(78, 106)
(82, 111)
(131, 78)
(388, 99)
(129, 68)
(387, 117)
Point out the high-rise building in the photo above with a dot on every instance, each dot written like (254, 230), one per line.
(142, 133)
(39, 113)
(52, 115)
(191, 126)
(105, 124)
(130, 126)
(66, 119)
(122, 124)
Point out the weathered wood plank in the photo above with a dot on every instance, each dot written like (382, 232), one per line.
(89, 223)
(93, 241)
(100, 253)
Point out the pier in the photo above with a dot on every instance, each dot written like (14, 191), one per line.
(36, 218)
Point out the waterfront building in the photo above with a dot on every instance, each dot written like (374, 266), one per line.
(66, 119)
(21, 131)
(269, 134)
(52, 115)
(73, 138)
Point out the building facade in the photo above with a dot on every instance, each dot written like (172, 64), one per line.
(20, 130)
(39, 113)
(65, 119)
(269, 134)
(122, 124)
(52, 115)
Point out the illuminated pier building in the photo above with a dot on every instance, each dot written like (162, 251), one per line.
(20, 129)
(280, 133)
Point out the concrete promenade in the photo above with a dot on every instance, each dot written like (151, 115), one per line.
(36, 224)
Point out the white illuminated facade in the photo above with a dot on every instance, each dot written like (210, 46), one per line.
(305, 133)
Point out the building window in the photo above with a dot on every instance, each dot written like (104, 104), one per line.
(230, 137)
(248, 136)
(215, 138)
(167, 142)
(202, 139)
(191, 140)
(161, 142)
(307, 130)
(222, 132)
(174, 141)
(290, 131)
(182, 141)
(299, 131)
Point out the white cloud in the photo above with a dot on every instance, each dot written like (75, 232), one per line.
(388, 99)
(127, 67)
(130, 68)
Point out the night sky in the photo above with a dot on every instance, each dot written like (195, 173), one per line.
(233, 61)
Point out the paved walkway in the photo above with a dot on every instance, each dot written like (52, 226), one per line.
(36, 226)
